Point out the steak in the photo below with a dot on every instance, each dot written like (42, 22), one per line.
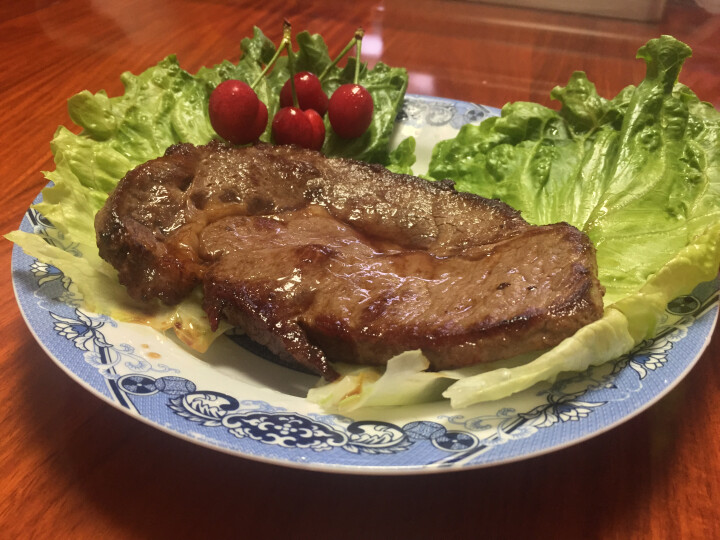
(334, 260)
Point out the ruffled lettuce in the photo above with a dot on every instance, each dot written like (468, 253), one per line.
(162, 106)
(640, 173)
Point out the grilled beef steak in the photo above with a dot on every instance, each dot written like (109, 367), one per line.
(332, 259)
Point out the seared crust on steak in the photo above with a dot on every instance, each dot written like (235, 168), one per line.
(336, 260)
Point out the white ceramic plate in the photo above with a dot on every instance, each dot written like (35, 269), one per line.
(236, 399)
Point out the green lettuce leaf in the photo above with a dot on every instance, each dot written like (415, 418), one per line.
(387, 87)
(162, 106)
(402, 158)
(639, 173)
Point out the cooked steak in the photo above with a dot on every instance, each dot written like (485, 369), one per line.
(336, 260)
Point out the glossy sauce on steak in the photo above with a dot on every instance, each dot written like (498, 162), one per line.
(327, 260)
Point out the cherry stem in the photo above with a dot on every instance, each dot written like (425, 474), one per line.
(355, 41)
(291, 67)
(358, 42)
(284, 43)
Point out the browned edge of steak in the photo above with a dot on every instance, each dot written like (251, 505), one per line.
(149, 229)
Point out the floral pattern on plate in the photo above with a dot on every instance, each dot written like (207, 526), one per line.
(210, 400)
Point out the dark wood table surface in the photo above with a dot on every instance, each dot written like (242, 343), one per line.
(72, 466)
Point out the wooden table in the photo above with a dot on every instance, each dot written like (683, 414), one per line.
(73, 467)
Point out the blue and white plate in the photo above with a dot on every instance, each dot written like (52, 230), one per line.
(234, 400)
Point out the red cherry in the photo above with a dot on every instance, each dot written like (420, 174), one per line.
(318, 129)
(309, 93)
(261, 120)
(350, 110)
(291, 126)
(235, 112)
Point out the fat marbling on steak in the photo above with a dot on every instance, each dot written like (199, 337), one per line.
(326, 260)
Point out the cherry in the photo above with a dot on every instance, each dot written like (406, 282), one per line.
(309, 92)
(350, 110)
(236, 113)
(291, 126)
(318, 129)
(261, 120)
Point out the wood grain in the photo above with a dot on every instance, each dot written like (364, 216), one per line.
(73, 467)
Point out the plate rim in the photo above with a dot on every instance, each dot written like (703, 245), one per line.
(341, 468)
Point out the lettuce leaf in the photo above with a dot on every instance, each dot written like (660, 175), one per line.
(162, 106)
(402, 158)
(405, 381)
(640, 173)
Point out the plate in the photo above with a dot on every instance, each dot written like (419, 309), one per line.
(236, 399)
